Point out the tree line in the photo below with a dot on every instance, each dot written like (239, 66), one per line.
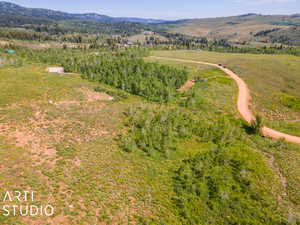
(125, 70)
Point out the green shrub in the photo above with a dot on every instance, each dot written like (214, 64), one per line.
(159, 131)
(191, 99)
(290, 101)
(6, 60)
(223, 186)
(256, 125)
(156, 132)
(223, 131)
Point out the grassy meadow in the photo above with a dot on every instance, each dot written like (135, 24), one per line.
(273, 81)
(112, 162)
(215, 29)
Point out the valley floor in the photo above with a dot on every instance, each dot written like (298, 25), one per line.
(60, 138)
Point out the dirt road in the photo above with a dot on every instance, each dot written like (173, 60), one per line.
(244, 99)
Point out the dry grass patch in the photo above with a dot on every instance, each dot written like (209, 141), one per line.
(92, 96)
(51, 125)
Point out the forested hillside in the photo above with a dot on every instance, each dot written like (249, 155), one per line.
(289, 36)
(244, 29)
(239, 28)
(12, 15)
(35, 14)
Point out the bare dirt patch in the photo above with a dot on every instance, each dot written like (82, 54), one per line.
(39, 145)
(48, 127)
(3, 43)
(68, 103)
(34, 137)
(188, 85)
(57, 220)
(92, 96)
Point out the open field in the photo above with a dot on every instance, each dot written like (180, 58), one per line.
(240, 32)
(131, 121)
(142, 38)
(61, 139)
(269, 77)
(62, 145)
(277, 153)
(66, 150)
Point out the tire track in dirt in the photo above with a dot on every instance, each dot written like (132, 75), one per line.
(243, 103)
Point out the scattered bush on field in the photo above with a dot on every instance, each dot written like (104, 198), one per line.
(191, 99)
(290, 101)
(223, 187)
(220, 186)
(156, 132)
(256, 125)
(10, 61)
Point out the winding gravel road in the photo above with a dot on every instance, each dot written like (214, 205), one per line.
(244, 99)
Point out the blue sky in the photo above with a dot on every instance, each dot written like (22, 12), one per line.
(168, 9)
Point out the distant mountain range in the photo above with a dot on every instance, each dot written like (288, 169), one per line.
(249, 27)
(43, 15)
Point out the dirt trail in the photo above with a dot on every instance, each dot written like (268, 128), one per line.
(244, 99)
(188, 85)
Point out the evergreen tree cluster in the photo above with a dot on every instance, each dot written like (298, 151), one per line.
(150, 80)
(31, 35)
(125, 70)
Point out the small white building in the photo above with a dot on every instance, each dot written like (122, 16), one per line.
(148, 33)
(55, 70)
